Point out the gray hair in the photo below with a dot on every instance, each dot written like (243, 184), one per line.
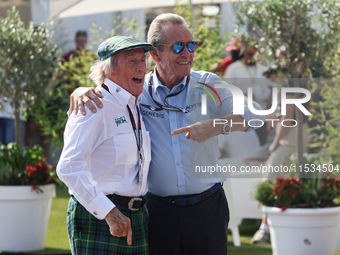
(156, 37)
(101, 68)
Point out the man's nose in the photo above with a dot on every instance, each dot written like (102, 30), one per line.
(185, 52)
(141, 66)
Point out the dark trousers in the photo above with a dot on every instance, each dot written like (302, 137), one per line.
(199, 229)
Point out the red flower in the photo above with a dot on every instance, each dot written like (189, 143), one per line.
(283, 208)
(337, 183)
(39, 174)
(294, 179)
(293, 193)
(39, 164)
(279, 180)
(42, 166)
(30, 169)
(280, 194)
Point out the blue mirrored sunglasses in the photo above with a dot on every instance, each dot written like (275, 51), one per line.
(179, 47)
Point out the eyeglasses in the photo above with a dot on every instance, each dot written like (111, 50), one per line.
(179, 47)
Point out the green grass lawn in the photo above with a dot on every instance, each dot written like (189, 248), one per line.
(57, 240)
(57, 230)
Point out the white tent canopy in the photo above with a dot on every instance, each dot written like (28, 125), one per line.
(72, 8)
(73, 15)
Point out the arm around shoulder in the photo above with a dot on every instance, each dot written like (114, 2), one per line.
(82, 96)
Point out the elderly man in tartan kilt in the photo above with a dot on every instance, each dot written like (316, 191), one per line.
(106, 157)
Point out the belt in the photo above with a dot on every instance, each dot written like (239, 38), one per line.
(133, 203)
(187, 199)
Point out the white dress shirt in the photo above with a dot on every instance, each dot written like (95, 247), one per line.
(100, 154)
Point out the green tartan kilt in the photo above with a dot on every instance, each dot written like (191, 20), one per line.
(88, 235)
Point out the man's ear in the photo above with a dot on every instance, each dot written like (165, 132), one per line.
(155, 56)
(112, 75)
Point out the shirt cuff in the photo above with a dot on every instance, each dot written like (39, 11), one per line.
(100, 206)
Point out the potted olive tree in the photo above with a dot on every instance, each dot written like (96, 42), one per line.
(308, 32)
(27, 64)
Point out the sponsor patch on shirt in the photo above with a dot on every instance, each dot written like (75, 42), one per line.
(153, 114)
(193, 106)
(120, 120)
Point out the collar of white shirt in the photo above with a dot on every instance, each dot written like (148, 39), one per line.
(123, 96)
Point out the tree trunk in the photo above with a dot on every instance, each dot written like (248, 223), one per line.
(300, 141)
(17, 120)
(298, 82)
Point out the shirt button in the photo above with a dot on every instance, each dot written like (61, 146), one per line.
(178, 163)
(95, 213)
(175, 142)
(173, 120)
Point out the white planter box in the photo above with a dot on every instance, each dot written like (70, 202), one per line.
(337, 237)
(24, 216)
(302, 231)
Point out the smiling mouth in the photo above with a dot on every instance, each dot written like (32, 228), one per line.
(183, 63)
(137, 79)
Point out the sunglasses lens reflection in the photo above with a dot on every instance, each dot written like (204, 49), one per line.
(178, 47)
(192, 46)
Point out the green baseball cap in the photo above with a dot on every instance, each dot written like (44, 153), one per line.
(121, 43)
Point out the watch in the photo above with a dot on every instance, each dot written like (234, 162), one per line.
(225, 128)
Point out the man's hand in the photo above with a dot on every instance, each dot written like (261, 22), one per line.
(204, 130)
(119, 224)
(83, 95)
(200, 131)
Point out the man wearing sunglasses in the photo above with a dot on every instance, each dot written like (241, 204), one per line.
(187, 215)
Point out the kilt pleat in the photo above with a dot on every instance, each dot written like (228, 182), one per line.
(89, 236)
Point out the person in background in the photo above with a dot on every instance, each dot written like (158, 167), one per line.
(187, 215)
(7, 123)
(106, 157)
(247, 72)
(235, 54)
(284, 144)
(81, 41)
